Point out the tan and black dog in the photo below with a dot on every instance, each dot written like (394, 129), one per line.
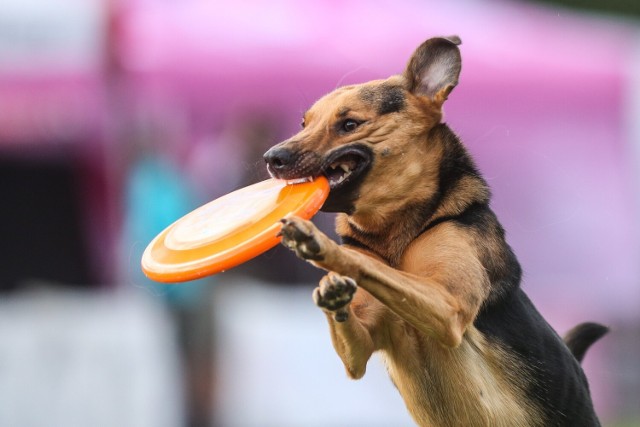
(424, 274)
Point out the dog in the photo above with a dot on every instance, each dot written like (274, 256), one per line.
(424, 274)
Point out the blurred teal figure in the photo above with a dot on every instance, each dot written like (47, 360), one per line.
(156, 196)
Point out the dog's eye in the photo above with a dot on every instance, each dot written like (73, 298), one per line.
(349, 125)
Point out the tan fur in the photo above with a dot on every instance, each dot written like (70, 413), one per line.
(420, 318)
(419, 289)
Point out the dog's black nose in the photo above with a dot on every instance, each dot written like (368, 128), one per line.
(278, 158)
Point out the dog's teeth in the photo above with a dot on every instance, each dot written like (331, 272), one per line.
(344, 167)
(299, 180)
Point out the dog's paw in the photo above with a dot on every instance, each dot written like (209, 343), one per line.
(334, 293)
(301, 237)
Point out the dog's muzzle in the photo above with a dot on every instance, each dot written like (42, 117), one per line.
(284, 163)
(341, 167)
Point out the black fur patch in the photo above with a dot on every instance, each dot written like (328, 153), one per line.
(456, 161)
(558, 384)
(500, 262)
(350, 241)
(387, 98)
(391, 100)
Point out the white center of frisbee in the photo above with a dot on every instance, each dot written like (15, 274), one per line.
(224, 216)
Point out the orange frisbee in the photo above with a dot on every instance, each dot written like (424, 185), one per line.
(230, 230)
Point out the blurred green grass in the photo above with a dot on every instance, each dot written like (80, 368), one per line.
(627, 423)
(621, 8)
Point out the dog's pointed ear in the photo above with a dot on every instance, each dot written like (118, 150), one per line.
(434, 68)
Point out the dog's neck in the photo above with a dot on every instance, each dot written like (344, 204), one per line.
(460, 187)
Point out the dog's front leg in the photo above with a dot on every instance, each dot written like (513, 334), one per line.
(349, 328)
(425, 300)
(349, 310)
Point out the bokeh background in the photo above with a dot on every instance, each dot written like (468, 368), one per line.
(118, 117)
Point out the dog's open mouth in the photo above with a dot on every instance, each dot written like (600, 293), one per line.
(345, 165)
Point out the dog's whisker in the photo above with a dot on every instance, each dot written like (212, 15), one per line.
(347, 74)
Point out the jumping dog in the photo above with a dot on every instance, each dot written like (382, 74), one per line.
(424, 274)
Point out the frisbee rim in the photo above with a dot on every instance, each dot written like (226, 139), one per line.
(264, 239)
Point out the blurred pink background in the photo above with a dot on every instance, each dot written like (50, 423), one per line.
(118, 117)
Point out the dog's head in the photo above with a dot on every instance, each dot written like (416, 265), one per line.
(372, 140)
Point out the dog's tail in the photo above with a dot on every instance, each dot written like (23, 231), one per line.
(580, 338)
